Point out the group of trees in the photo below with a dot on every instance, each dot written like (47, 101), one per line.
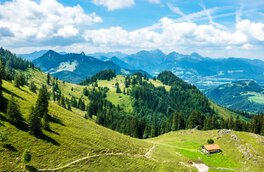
(157, 111)
(102, 75)
(39, 117)
(257, 124)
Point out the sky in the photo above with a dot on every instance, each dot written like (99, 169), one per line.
(212, 28)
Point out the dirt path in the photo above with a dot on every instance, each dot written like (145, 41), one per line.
(147, 155)
(201, 167)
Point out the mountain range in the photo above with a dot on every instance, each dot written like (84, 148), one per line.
(203, 72)
(244, 95)
(74, 67)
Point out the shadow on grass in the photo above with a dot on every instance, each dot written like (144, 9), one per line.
(56, 120)
(3, 104)
(22, 125)
(2, 118)
(52, 131)
(31, 168)
(48, 139)
(9, 147)
(11, 93)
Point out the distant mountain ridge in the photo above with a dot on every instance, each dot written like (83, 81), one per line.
(244, 95)
(74, 67)
(204, 72)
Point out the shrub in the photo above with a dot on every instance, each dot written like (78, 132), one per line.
(210, 141)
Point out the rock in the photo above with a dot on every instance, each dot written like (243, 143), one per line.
(224, 132)
(234, 137)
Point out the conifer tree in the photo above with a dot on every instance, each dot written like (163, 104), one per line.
(48, 79)
(42, 106)
(32, 87)
(42, 101)
(118, 90)
(13, 113)
(34, 122)
(62, 102)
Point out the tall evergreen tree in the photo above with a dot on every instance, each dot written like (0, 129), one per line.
(42, 106)
(48, 79)
(13, 113)
(34, 122)
(43, 101)
(32, 87)
(118, 90)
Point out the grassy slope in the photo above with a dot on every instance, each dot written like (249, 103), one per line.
(73, 137)
(185, 145)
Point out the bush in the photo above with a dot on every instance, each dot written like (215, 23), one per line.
(210, 141)
(26, 157)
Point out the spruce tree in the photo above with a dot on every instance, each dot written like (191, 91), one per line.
(62, 102)
(42, 106)
(1, 94)
(13, 113)
(118, 90)
(43, 101)
(32, 87)
(48, 79)
(34, 122)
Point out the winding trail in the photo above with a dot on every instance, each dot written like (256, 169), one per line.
(147, 155)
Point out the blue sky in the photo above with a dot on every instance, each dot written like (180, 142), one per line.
(210, 27)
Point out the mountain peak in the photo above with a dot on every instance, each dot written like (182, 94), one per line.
(50, 53)
(82, 53)
(195, 54)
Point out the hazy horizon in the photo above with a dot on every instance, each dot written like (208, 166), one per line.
(210, 28)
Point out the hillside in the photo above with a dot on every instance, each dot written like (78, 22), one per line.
(240, 151)
(72, 137)
(115, 103)
(243, 95)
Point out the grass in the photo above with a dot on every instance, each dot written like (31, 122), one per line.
(185, 145)
(256, 97)
(223, 112)
(73, 137)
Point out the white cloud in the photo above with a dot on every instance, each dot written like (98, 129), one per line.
(67, 31)
(169, 35)
(114, 4)
(43, 20)
(154, 1)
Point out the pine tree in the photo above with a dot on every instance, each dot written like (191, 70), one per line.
(42, 101)
(32, 87)
(34, 123)
(85, 91)
(48, 79)
(19, 80)
(1, 94)
(81, 104)
(68, 104)
(118, 90)
(74, 102)
(42, 106)
(62, 102)
(13, 113)
(45, 122)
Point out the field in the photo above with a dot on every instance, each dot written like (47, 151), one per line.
(256, 97)
(241, 151)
